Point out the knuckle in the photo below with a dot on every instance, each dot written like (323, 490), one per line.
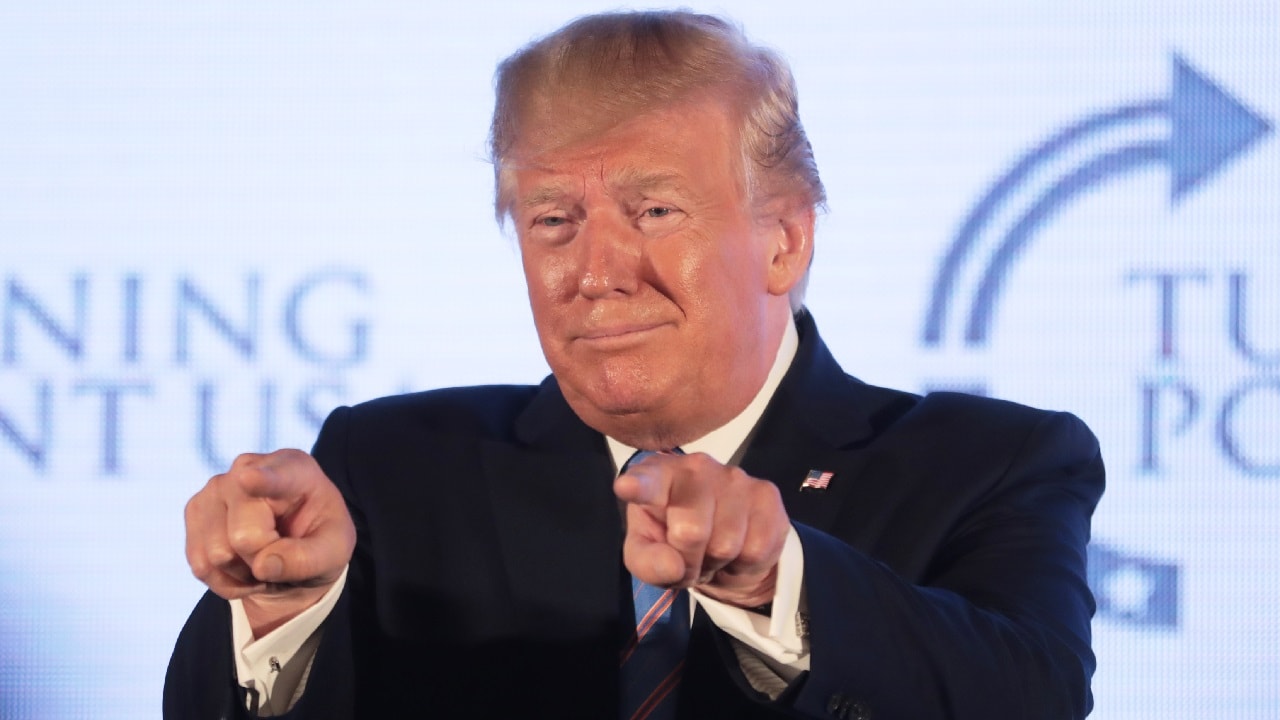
(348, 530)
(761, 548)
(245, 460)
(724, 549)
(770, 491)
(753, 553)
(197, 505)
(287, 456)
(688, 534)
(220, 557)
(191, 511)
(200, 566)
(702, 464)
(245, 539)
(234, 474)
(738, 476)
(697, 458)
(765, 494)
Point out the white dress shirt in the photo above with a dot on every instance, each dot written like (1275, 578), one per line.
(772, 650)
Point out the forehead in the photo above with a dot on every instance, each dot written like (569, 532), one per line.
(676, 147)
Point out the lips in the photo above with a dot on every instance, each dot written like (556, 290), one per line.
(620, 336)
(616, 331)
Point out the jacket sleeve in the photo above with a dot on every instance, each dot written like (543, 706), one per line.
(201, 679)
(997, 626)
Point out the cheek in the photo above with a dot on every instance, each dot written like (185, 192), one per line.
(551, 276)
(689, 278)
(717, 276)
(543, 274)
(688, 270)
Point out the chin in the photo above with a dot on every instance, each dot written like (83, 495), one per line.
(639, 417)
(620, 403)
(603, 397)
(619, 384)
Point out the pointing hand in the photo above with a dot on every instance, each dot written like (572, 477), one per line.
(273, 531)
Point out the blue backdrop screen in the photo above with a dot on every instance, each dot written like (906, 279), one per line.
(221, 220)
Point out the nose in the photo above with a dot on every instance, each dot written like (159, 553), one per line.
(610, 259)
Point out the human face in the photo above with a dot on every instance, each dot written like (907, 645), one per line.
(656, 288)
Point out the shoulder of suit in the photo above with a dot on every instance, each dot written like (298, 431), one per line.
(451, 410)
(889, 407)
(958, 401)
(975, 414)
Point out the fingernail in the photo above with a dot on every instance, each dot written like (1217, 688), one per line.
(272, 567)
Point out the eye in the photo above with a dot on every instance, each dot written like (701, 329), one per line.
(551, 227)
(659, 219)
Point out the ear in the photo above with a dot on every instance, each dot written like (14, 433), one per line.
(790, 247)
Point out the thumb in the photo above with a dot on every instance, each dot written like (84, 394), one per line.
(313, 560)
(653, 562)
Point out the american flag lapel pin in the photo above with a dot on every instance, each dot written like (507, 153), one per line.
(816, 480)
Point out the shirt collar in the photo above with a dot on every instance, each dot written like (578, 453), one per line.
(724, 442)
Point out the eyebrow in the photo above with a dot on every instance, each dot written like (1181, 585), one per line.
(543, 194)
(633, 178)
(629, 179)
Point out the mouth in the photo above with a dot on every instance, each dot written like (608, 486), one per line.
(619, 335)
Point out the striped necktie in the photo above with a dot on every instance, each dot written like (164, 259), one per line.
(653, 657)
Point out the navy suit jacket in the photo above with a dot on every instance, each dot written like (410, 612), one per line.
(944, 563)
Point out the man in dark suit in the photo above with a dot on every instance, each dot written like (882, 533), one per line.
(851, 552)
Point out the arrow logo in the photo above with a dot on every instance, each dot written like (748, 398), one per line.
(1208, 129)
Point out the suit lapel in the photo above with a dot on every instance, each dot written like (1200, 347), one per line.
(819, 419)
(557, 520)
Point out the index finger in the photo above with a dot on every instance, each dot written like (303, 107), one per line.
(644, 483)
(281, 475)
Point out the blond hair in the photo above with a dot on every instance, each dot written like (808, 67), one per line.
(602, 69)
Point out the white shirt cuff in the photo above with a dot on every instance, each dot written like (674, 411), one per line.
(778, 637)
(258, 661)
